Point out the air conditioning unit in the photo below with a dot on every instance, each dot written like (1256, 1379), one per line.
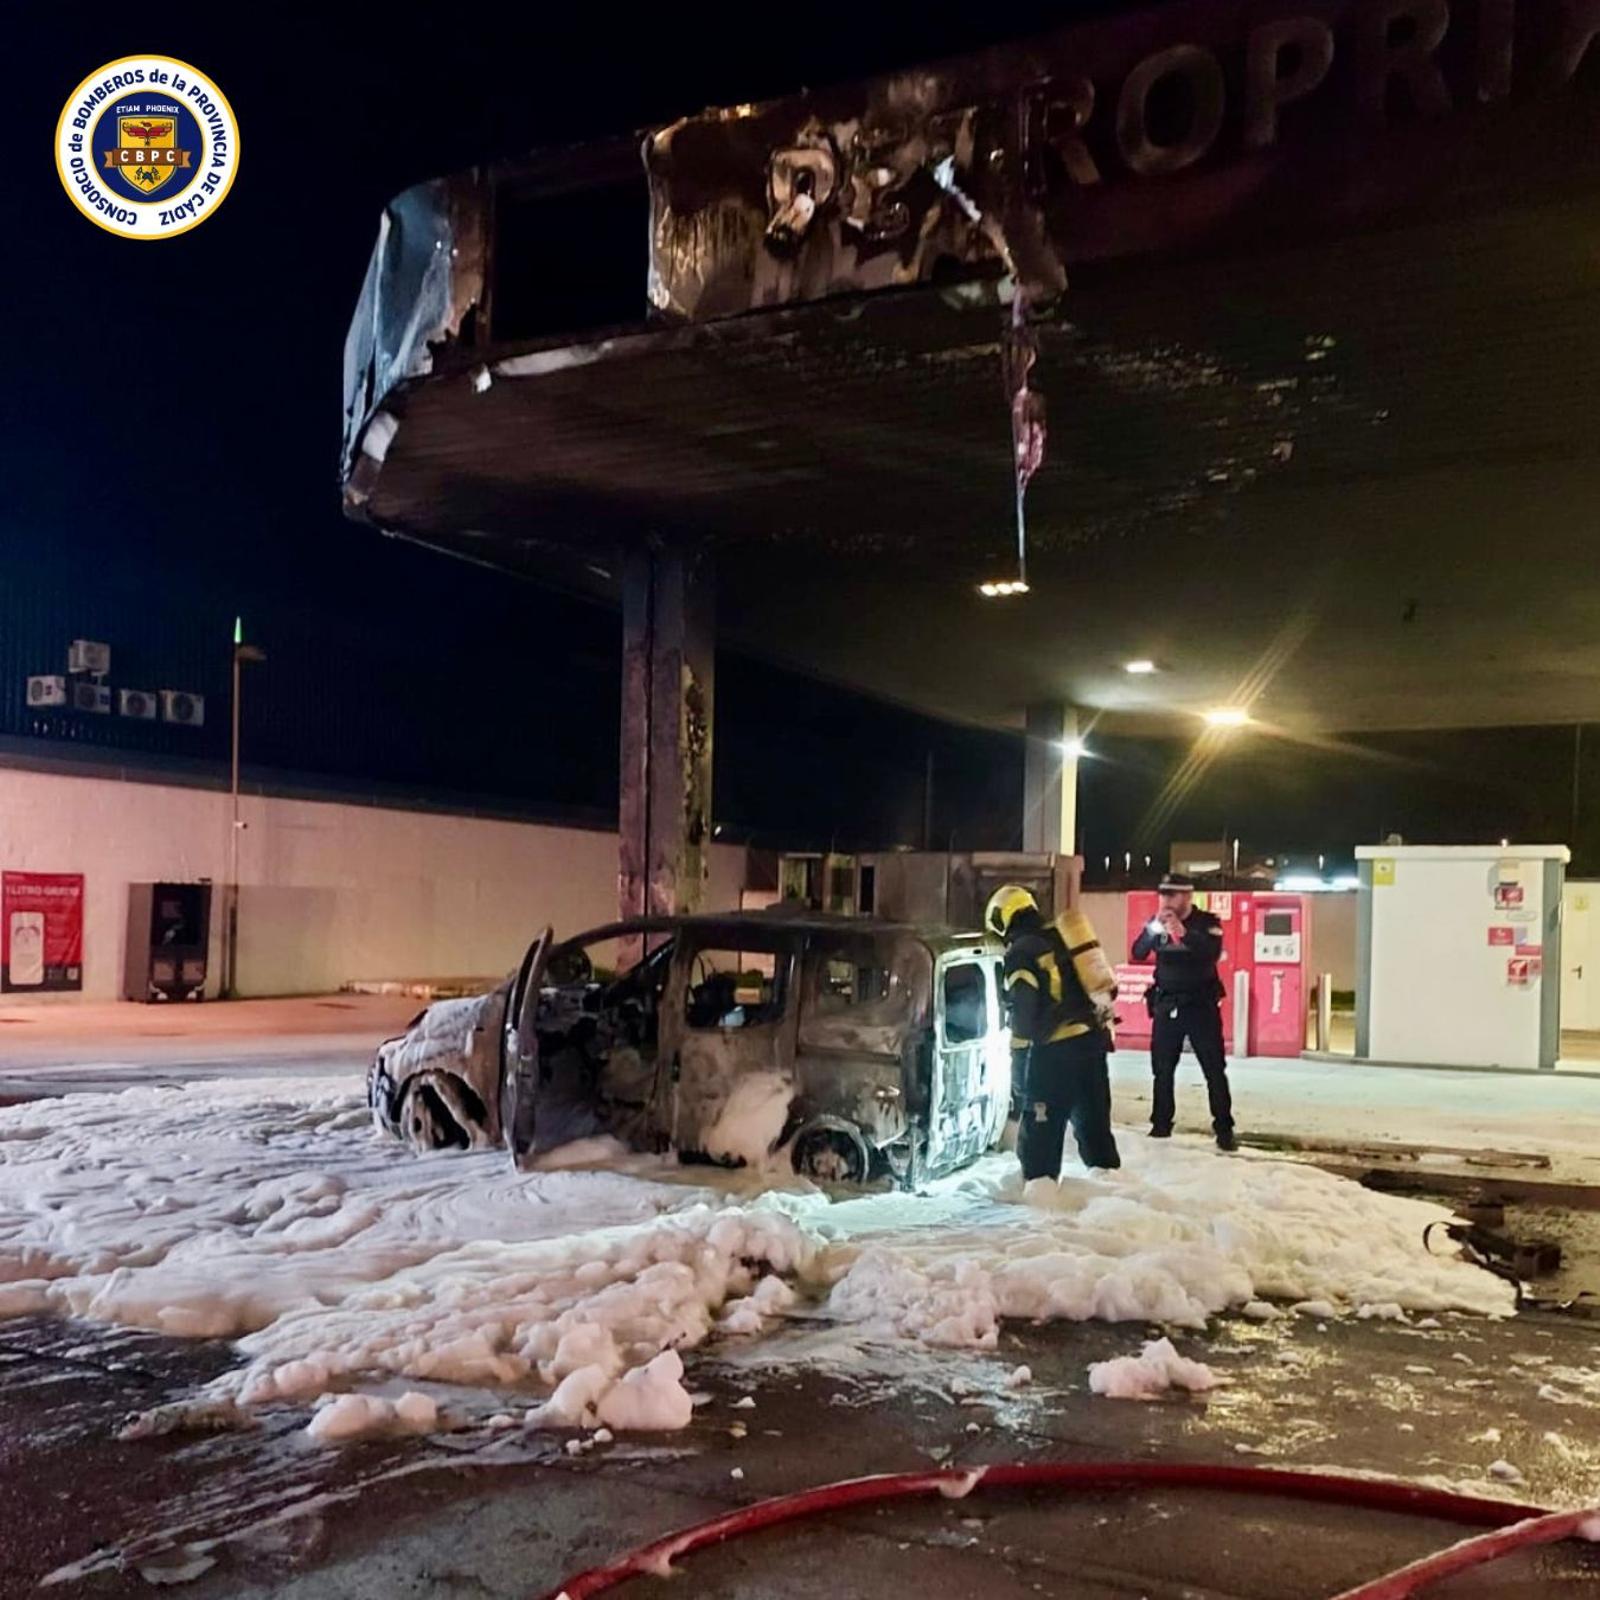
(95, 697)
(178, 705)
(89, 655)
(50, 689)
(138, 703)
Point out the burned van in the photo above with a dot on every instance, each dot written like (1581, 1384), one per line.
(855, 1048)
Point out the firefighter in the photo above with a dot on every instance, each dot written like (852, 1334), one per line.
(1059, 990)
(1184, 1004)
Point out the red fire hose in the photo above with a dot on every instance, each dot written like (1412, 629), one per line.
(1476, 1552)
(1517, 1526)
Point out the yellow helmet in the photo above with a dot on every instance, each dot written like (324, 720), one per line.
(1004, 904)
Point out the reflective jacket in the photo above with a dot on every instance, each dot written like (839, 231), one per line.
(1058, 981)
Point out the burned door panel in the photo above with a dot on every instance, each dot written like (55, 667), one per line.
(729, 1022)
(631, 1012)
(519, 1078)
(865, 1005)
(971, 1085)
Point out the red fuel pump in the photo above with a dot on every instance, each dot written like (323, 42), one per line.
(1265, 936)
(1277, 981)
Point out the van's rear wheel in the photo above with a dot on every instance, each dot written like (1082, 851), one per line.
(832, 1155)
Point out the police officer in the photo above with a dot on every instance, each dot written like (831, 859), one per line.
(1059, 988)
(1184, 1004)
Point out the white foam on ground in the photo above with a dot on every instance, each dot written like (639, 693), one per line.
(1156, 1369)
(1174, 1237)
(269, 1212)
(359, 1416)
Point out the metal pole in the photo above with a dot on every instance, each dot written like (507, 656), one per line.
(1022, 537)
(1324, 1012)
(927, 802)
(1577, 782)
(230, 964)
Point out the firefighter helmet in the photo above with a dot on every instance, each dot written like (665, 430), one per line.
(1004, 904)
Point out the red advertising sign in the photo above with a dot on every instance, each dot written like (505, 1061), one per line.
(1502, 935)
(41, 931)
(1508, 894)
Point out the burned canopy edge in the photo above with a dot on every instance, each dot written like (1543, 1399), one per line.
(424, 279)
(1151, 131)
(1193, 127)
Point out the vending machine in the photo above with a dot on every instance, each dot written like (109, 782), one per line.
(169, 941)
(1262, 965)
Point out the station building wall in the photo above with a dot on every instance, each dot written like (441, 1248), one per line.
(331, 892)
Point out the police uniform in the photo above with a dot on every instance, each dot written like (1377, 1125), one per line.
(1059, 1036)
(1183, 1002)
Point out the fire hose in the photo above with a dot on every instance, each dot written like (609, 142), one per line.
(1516, 1527)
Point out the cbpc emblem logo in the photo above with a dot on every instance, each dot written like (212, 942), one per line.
(147, 147)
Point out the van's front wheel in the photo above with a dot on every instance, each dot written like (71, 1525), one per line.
(429, 1115)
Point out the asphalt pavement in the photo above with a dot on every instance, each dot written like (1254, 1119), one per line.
(264, 1513)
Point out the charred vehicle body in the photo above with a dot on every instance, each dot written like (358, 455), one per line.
(860, 1048)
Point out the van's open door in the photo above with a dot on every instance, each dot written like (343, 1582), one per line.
(519, 1057)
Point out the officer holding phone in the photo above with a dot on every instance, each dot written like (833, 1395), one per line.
(1185, 1004)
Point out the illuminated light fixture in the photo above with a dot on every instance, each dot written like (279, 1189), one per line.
(1072, 749)
(1306, 883)
(1139, 668)
(1004, 587)
(1227, 717)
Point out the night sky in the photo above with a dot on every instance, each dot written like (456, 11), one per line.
(169, 419)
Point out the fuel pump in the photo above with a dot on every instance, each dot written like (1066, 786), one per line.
(1277, 981)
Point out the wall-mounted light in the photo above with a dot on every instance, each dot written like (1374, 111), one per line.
(1139, 668)
(1002, 588)
(1073, 749)
(1227, 716)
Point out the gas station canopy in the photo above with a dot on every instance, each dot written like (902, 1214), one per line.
(1317, 307)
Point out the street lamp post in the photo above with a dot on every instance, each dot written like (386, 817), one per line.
(242, 653)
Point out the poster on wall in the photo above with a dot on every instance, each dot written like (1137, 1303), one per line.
(41, 931)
